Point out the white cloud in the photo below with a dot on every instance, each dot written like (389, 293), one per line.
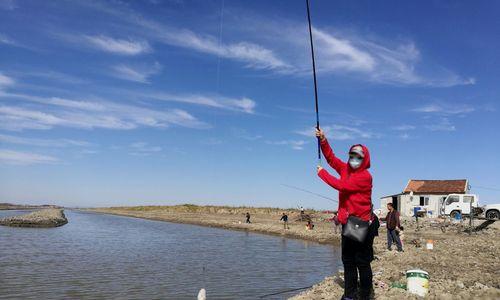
(10, 139)
(89, 115)
(143, 149)
(445, 108)
(442, 124)
(118, 46)
(341, 132)
(5, 81)
(294, 144)
(6, 40)
(24, 158)
(138, 74)
(245, 105)
(404, 127)
(252, 54)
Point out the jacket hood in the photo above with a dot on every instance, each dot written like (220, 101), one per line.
(366, 160)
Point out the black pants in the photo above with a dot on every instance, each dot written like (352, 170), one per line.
(356, 257)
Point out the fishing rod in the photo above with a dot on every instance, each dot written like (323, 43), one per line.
(309, 192)
(314, 76)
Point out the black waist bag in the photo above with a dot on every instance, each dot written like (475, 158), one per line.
(356, 229)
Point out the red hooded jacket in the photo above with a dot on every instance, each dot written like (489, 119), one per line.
(354, 185)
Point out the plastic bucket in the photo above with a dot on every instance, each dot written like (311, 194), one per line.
(417, 282)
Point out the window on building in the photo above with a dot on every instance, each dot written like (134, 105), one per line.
(424, 201)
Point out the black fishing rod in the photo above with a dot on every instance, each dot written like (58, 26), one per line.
(314, 76)
(309, 192)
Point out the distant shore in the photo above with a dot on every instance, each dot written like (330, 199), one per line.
(40, 218)
(10, 206)
(460, 266)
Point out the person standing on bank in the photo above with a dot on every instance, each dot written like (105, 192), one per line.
(355, 191)
(393, 228)
(284, 218)
(247, 215)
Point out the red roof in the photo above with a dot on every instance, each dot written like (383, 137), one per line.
(436, 186)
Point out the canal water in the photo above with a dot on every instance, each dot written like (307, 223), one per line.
(97, 256)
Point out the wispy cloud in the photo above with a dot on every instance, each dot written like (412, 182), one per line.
(443, 124)
(294, 144)
(143, 149)
(5, 81)
(403, 127)
(341, 132)
(58, 112)
(443, 108)
(117, 46)
(244, 104)
(136, 73)
(24, 158)
(6, 40)
(10, 139)
(252, 54)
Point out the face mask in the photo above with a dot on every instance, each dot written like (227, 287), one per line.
(355, 162)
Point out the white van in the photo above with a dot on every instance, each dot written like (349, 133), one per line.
(458, 203)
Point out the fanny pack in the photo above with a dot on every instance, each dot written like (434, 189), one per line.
(357, 229)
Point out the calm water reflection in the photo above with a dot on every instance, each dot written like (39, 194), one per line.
(103, 256)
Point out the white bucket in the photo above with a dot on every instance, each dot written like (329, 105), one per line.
(417, 282)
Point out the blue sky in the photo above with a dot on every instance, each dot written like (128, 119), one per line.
(211, 102)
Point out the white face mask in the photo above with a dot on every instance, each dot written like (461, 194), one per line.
(355, 162)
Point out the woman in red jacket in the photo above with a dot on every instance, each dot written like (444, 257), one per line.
(355, 191)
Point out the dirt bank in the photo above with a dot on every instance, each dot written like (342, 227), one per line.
(41, 218)
(461, 266)
(264, 220)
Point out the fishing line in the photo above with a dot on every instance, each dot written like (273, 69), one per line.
(314, 77)
(282, 292)
(309, 192)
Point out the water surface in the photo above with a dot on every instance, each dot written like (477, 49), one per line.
(105, 256)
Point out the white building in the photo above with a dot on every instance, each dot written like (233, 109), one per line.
(427, 195)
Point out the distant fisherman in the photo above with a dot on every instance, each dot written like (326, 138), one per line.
(248, 218)
(284, 218)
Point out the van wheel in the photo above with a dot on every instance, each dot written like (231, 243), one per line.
(454, 214)
(493, 214)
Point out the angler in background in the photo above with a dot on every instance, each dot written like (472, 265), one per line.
(336, 223)
(284, 218)
(393, 228)
(248, 218)
(355, 191)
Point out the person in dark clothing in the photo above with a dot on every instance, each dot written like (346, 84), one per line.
(393, 227)
(284, 218)
(355, 191)
(248, 218)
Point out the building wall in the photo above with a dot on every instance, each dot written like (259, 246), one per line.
(407, 202)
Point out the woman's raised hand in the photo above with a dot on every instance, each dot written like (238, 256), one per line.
(320, 134)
